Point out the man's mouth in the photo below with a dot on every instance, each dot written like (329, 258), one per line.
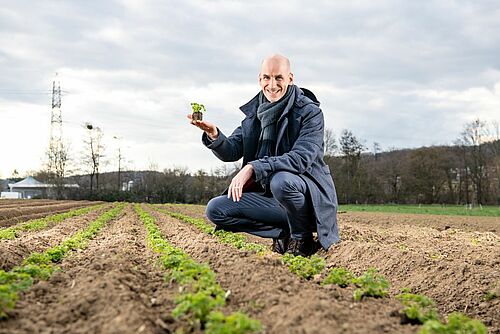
(275, 92)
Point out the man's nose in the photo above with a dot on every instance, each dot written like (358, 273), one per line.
(272, 83)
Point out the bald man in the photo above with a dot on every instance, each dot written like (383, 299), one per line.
(284, 190)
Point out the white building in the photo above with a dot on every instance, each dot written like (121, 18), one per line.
(31, 188)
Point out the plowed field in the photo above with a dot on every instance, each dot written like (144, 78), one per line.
(115, 283)
(16, 211)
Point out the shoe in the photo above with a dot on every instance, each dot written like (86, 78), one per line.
(280, 245)
(305, 247)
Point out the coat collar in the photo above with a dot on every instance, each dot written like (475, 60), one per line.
(303, 97)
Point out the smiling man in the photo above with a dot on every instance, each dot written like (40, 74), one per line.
(284, 190)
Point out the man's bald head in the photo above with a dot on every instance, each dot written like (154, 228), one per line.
(275, 77)
(277, 59)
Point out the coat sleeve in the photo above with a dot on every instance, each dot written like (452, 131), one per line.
(225, 148)
(305, 150)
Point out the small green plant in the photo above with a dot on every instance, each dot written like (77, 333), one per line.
(458, 323)
(303, 266)
(197, 111)
(417, 308)
(339, 276)
(370, 284)
(490, 295)
(235, 323)
(197, 107)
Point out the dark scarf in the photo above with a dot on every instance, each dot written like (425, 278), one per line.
(268, 114)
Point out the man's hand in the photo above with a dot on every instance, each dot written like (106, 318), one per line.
(236, 187)
(209, 128)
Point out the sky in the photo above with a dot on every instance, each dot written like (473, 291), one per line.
(402, 74)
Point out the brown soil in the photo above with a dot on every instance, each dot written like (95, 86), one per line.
(11, 216)
(4, 204)
(452, 259)
(12, 252)
(112, 286)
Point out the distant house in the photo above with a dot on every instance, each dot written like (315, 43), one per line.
(32, 188)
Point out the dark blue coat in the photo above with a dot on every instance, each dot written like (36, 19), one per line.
(299, 150)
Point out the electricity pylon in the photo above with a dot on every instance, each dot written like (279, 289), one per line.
(57, 154)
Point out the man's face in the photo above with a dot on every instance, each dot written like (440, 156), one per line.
(274, 78)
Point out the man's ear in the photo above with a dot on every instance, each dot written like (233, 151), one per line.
(291, 77)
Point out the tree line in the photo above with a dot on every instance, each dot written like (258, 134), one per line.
(467, 172)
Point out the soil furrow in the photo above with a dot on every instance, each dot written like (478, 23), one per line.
(9, 217)
(264, 288)
(29, 203)
(113, 286)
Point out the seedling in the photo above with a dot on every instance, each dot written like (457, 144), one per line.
(457, 323)
(339, 276)
(197, 111)
(303, 266)
(235, 323)
(417, 308)
(370, 284)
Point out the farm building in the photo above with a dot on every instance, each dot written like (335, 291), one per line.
(32, 188)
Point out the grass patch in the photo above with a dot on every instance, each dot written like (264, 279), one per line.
(452, 210)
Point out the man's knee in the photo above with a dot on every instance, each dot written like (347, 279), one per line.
(283, 183)
(214, 212)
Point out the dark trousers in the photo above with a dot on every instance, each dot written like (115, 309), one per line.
(288, 212)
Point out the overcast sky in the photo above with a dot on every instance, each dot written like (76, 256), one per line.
(400, 73)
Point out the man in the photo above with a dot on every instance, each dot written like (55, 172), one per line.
(284, 190)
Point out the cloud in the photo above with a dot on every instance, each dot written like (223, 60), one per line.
(403, 74)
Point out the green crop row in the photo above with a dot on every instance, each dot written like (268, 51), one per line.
(40, 224)
(236, 240)
(42, 265)
(301, 266)
(202, 297)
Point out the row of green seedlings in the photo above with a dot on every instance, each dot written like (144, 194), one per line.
(41, 266)
(42, 223)
(201, 297)
(418, 309)
(305, 267)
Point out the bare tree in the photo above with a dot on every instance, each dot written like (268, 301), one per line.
(331, 146)
(93, 153)
(56, 166)
(472, 139)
